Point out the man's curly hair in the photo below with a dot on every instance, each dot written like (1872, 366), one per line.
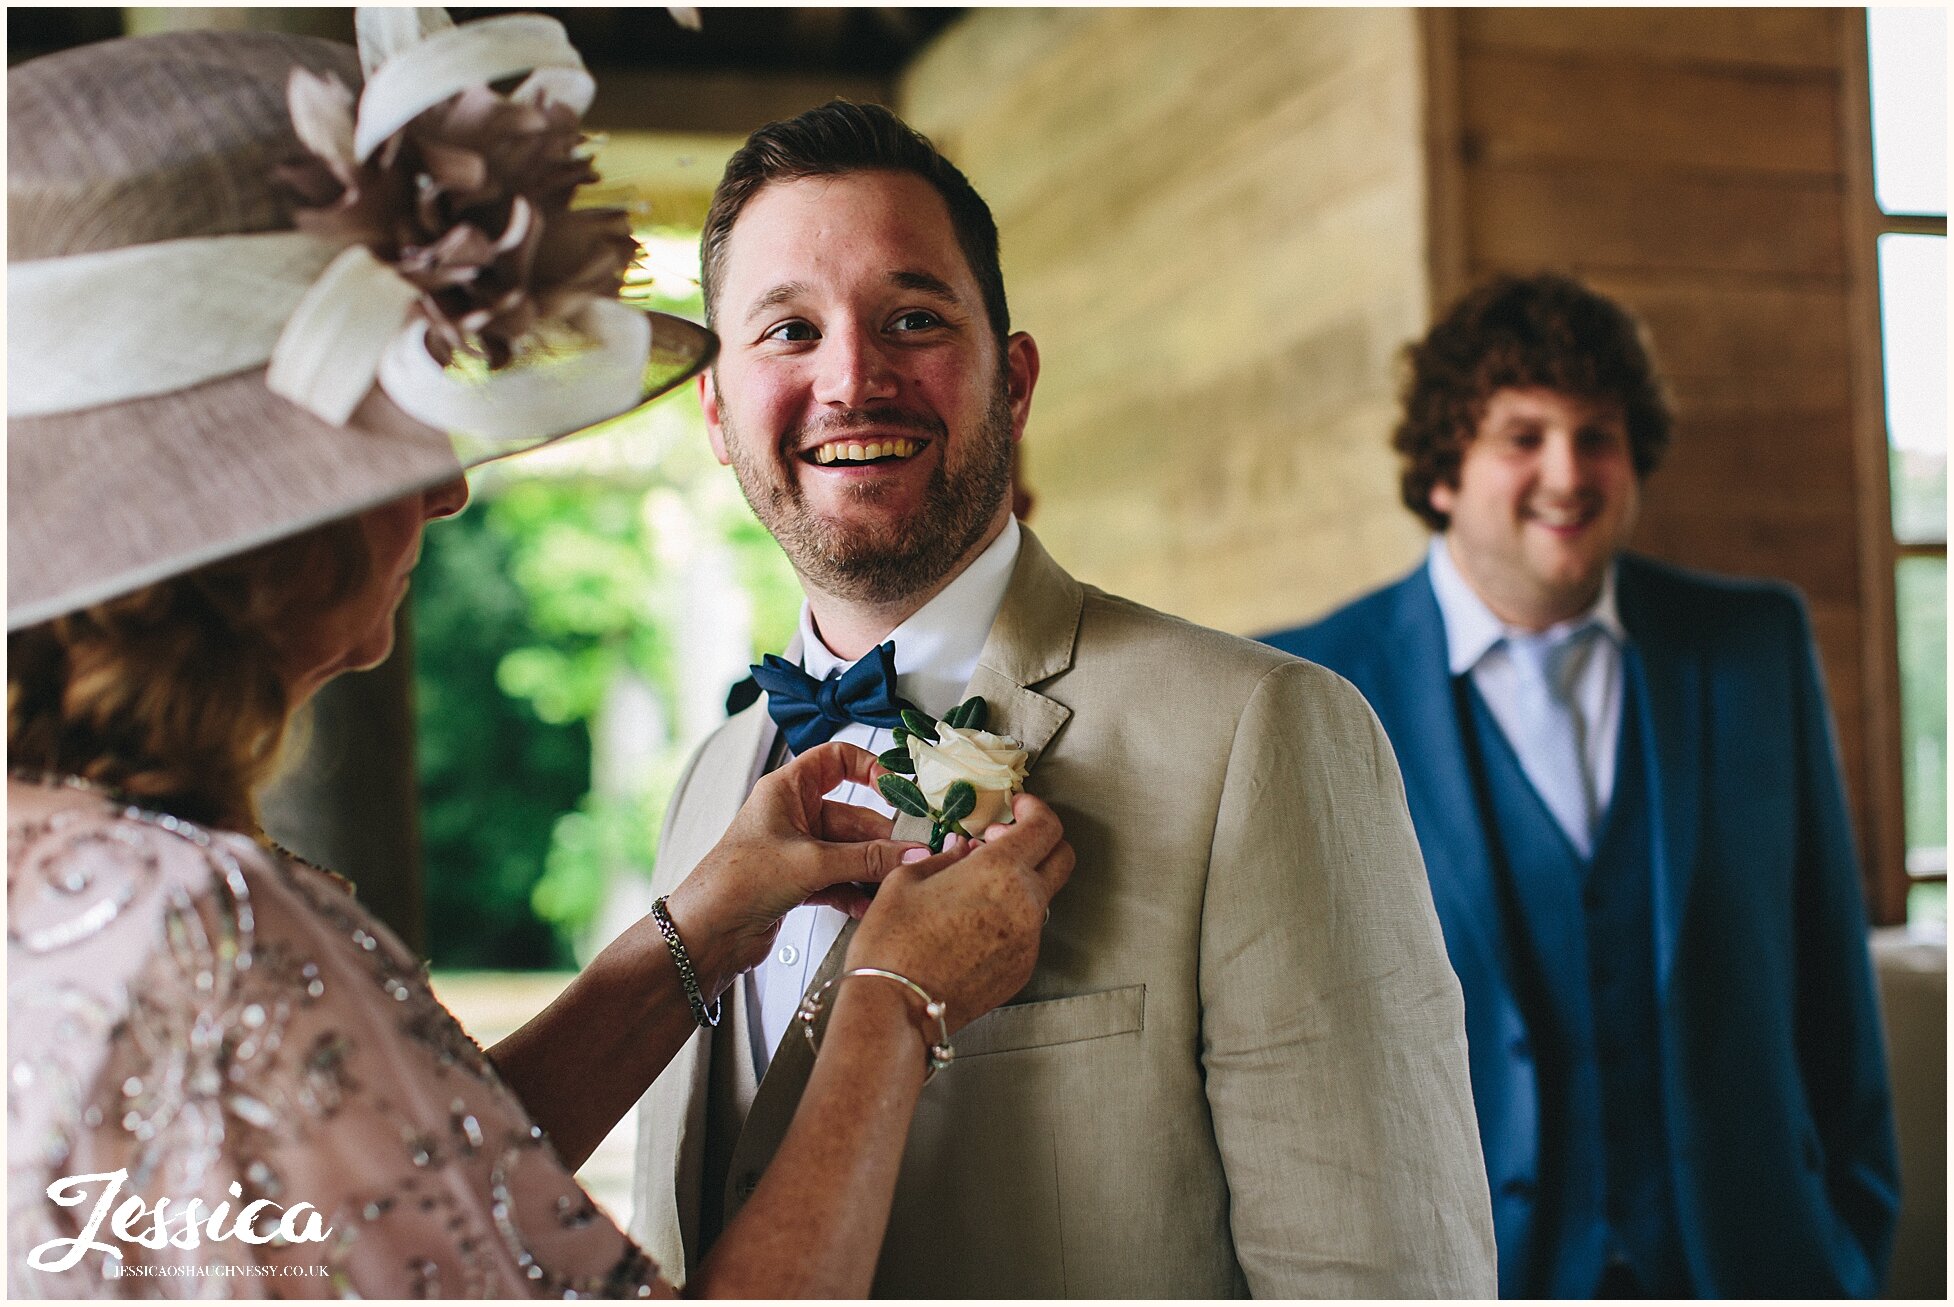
(1545, 330)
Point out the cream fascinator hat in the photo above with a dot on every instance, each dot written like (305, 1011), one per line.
(241, 302)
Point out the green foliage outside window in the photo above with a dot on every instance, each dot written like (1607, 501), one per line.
(493, 775)
(1922, 584)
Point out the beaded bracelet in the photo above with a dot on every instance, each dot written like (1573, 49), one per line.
(683, 960)
(940, 1054)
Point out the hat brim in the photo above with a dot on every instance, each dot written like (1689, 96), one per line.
(130, 494)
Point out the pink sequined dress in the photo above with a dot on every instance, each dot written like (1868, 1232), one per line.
(227, 1026)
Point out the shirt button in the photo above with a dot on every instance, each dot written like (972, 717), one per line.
(788, 955)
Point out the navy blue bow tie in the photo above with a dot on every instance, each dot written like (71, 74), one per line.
(809, 712)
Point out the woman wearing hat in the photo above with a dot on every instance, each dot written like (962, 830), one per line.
(257, 330)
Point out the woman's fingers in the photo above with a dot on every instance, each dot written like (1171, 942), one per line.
(925, 864)
(877, 860)
(860, 849)
(1037, 838)
(1032, 833)
(845, 897)
(820, 769)
(843, 822)
(870, 862)
(1056, 869)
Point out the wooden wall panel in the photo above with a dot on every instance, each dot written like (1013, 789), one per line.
(1696, 165)
(1752, 334)
(1213, 223)
(1773, 40)
(1598, 214)
(1517, 111)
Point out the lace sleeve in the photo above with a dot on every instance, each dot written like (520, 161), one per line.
(228, 1042)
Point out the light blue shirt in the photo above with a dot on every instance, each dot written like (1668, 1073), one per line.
(1474, 642)
(936, 655)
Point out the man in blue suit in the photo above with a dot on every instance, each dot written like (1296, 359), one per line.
(1624, 780)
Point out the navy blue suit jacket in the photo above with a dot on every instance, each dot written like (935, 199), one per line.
(1773, 1064)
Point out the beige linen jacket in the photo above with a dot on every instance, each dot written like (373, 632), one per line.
(1240, 1065)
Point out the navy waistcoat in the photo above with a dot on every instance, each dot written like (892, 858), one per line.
(1601, 1084)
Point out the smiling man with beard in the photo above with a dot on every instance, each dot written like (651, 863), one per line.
(898, 540)
(1240, 1066)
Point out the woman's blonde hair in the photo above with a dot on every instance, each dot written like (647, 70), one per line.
(175, 695)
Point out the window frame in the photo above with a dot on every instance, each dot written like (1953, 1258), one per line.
(1888, 877)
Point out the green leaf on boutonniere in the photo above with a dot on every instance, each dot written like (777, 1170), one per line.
(917, 724)
(959, 801)
(938, 833)
(902, 737)
(903, 795)
(969, 715)
(898, 760)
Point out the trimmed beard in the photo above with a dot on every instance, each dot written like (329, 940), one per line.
(870, 564)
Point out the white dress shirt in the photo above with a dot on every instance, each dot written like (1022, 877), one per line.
(1475, 643)
(936, 655)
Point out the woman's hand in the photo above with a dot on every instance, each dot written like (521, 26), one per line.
(787, 846)
(582, 1063)
(965, 924)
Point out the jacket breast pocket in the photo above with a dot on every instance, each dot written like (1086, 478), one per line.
(1051, 1021)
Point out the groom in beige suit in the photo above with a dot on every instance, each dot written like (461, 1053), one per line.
(1240, 1065)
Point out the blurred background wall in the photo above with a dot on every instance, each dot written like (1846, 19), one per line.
(1214, 222)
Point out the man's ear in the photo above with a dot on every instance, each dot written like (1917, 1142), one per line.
(1441, 497)
(709, 401)
(1021, 377)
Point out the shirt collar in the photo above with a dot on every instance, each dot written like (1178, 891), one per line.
(1471, 628)
(938, 646)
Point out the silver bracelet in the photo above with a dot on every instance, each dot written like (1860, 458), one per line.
(683, 960)
(940, 1054)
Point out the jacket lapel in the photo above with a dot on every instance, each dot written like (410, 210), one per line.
(1673, 676)
(1030, 641)
(1458, 858)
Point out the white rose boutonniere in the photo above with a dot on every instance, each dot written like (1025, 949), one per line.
(994, 765)
(964, 775)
